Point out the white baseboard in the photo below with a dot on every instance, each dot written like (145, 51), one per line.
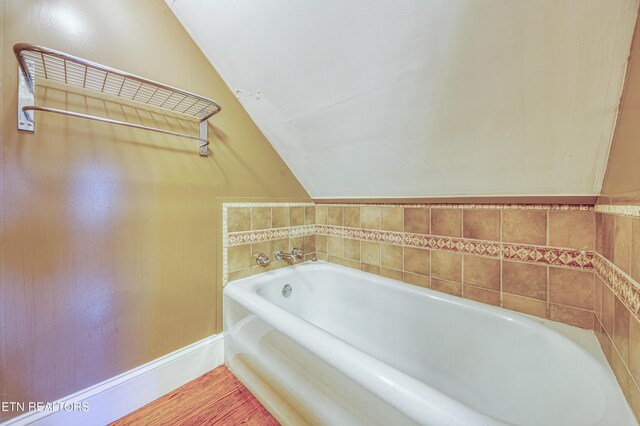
(122, 394)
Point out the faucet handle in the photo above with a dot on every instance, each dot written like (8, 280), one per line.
(297, 253)
(262, 259)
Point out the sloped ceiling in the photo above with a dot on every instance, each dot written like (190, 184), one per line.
(419, 98)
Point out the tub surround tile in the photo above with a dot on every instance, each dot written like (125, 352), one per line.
(446, 222)
(297, 216)
(351, 217)
(392, 219)
(372, 269)
(482, 224)
(370, 253)
(351, 249)
(548, 255)
(572, 229)
(242, 273)
(622, 243)
(334, 246)
(391, 256)
(310, 215)
(607, 310)
(391, 273)
(481, 272)
(634, 400)
(280, 217)
(524, 226)
(370, 217)
(334, 216)
(260, 217)
(525, 305)
(239, 219)
(309, 244)
(416, 260)
(621, 329)
(446, 265)
(634, 348)
(604, 235)
(481, 295)
(572, 316)
(597, 303)
(620, 371)
(524, 280)
(321, 243)
(571, 288)
(239, 257)
(635, 249)
(454, 289)
(321, 215)
(417, 220)
(416, 279)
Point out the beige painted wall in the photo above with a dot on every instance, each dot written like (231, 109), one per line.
(622, 178)
(109, 235)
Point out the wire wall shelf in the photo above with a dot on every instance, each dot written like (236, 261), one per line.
(37, 63)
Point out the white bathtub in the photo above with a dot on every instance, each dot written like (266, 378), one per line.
(349, 348)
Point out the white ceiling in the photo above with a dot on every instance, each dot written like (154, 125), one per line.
(422, 98)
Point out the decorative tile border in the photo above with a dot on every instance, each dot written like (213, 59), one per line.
(618, 209)
(562, 207)
(548, 255)
(622, 285)
(259, 235)
(554, 256)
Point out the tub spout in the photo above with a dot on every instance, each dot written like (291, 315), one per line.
(290, 258)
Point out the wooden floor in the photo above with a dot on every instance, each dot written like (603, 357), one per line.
(217, 398)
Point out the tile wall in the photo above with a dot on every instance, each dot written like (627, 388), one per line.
(535, 259)
(617, 294)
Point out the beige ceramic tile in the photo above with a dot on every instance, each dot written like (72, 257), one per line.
(391, 273)
(370, 252)
(417, 220)
(310, 215)
(280, 245)
(482, 272)
(260, 217)
(351, 217)
(416, 260)
(309, 244)
(446, 265)
(635, 249)
(321, 243)
(296, 242)
(352, 249)
(322, 256)
(238, 219)
(524, 305)
(353, 264)
(607, 310)
(597, 300)
(571, 288)
(572, 229)
(524, 226)
(621, 329)
(524, 279)
(239, 257)
(416, 279)
(622, 243)
(263, 247)
(481, 224)
(297, 216)
(454, 289)
(572, 316)
(604, 235)
(446, 222)
(280, 217)
(334, 246)
(481, 295)
(236, 275)
(392, 219)
(620, 371)
(372, 269)
(370, 217)
(321, 215)
(391, 256)
(634, 400)
(334, 215)
(634, 348)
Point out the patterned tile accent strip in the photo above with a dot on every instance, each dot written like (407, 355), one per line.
(248, 237)
(618, 209)
(582, 259)
(622, 285)
(548, 255)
